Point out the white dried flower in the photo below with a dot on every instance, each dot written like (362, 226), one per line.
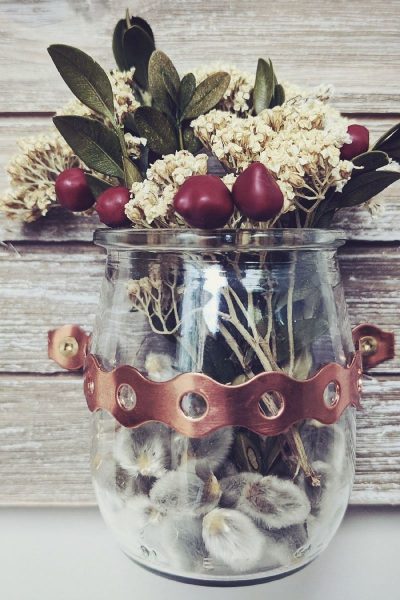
(143, 451)
(274, 502)
(152, 199)
(232, 538)
(299, 142)
(237, 98)
(185, 492)
(32, 175)
(134, 145)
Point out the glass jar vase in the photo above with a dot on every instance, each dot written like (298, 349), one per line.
(225, 367)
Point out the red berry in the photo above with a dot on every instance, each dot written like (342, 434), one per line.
(359, 142)
(256, 193)
(73, 191)
(204, 201)
(110, 206)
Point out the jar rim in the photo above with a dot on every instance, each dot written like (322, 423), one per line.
(189, 239)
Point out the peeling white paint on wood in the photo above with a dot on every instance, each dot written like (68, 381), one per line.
(353, 45)
(44, 438)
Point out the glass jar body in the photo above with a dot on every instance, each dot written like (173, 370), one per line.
(232, 505)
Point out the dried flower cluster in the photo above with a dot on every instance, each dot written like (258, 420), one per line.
(299, 142)
(152, 199)
(237, 98)
(33, 172)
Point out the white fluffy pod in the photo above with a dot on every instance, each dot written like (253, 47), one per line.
(232, 538)
(210, 451)
(185, 492)
(143, 451)
(325, 443)
(274, 502)
(159, 367)
(233, 485)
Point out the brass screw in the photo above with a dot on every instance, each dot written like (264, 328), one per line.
(68, 347)
(368, 345)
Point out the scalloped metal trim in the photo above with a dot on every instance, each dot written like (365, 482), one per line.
(226, 405)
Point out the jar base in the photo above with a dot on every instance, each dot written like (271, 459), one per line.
(221, 581)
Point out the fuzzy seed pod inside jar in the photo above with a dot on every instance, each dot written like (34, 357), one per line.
(222, 378)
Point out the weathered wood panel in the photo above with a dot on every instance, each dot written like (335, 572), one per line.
(44, 442)
(44, 287)
(63, 226)
(353, 45)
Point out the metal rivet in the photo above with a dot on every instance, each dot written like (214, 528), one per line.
(368, 345)
(90, 385)
(68, 347)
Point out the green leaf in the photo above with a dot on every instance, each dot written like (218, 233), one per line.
(186, 90)
(117, 44)
(370, 161)
(143, 24)
(138, 47)
(131, 172)
(97, 186)
(279, 96)
(157, 129)
(207, 94)
(387, 135)
(163, 82)
(85, 78)
(390, 142)
(264, 85)
(93, 142)
(190, 141)
(364, 187)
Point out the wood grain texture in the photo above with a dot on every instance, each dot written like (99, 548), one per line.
(62, 226)
(44, 288)
(353, 45)
(45, 448)
(53, 276)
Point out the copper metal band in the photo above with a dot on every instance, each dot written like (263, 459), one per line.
(133, 399)
(226, 405)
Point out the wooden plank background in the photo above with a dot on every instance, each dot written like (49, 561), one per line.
(50, 273)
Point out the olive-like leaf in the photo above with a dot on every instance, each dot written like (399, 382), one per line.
(190, 141)
(207, 94)
(387, 135)
(131, 172)
(390, 142)
(93, 142)
(186, 90)
(369, 161)
(364, 187)
(84, 77)
(97, 186)
(163, 82)
(143, 24)
(264, 85)
(117, 44)
(138, 47)
(358, 190)
(157, 129)
(278, 97)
